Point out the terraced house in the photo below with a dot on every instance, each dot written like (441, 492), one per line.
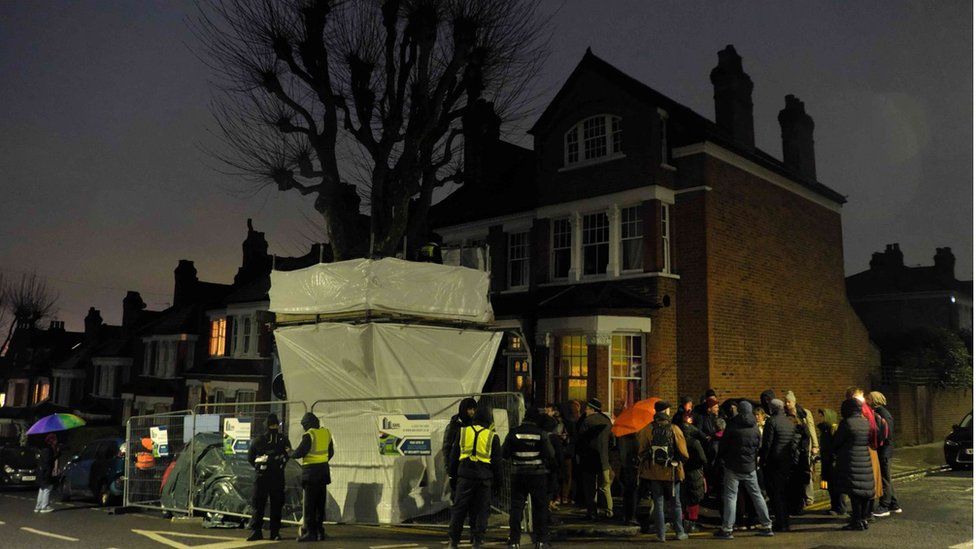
(646, 250)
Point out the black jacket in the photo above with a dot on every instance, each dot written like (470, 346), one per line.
(451, 436)
(885, 448)
(528, 449)
(45, 465)
(275, 446)
(473, 469)
(593, 442)
(779, 436)
(853, 473)
(696, 441)
(740, 443)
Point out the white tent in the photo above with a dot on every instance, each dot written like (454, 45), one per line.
(372, 361)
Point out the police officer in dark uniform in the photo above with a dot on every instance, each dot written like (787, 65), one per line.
(268, 454)
(528, 449)
(475, 462)
(315, 451)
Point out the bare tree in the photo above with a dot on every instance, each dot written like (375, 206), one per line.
(348, 100)
(26, 302)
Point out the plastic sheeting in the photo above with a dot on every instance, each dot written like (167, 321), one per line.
(388, 285)
(335, 361)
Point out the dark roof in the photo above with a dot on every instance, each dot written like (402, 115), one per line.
(181, 319)
(701, 127)
(509, 187)
(35, 349)
(231, 367)
(902, 279)
(619, 297)
(255, 290)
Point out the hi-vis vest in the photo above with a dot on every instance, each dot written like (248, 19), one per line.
(476, 443)
(319, 451)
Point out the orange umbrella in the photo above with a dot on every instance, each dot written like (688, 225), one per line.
(635, 418)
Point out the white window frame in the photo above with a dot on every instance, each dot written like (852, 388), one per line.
(553, 248)
(247, 337)
(246, 405)
(665, 237)
(583, 245)
(523, 259)
(643, 365)
(612, 127)
(638, 222)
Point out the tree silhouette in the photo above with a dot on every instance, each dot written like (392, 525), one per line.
(361, 99)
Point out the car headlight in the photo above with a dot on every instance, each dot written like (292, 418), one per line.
(8, 469)
(951, 443)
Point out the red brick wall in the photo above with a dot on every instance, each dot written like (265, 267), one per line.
(926, 414)
(691, 302)
(777, 312)
(662, 348)
(598, 373)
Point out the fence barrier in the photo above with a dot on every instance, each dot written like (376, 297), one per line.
(389, 465)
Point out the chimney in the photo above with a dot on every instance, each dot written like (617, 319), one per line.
(481, 127)
(93, 321)
(945, 265)
(132, 307)
(889, 260)
(185, 288)
(797, 129)
(255, 261)
(733, 97)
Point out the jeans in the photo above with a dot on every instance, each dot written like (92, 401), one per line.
(730, 494)
(597, 485)
(888, 500)
(658, 488)
(44, 497)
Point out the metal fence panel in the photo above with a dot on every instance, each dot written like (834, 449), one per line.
(374, 482)
(222, 479)
(153, 444)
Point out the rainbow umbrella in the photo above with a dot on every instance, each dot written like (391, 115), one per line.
(55, 422)
(635, 418)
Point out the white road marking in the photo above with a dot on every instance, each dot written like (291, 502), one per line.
(227, 543)
(964, 545)
(393, 546)
(2, 523)
(48, 534)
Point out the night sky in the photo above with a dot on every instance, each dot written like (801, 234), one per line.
(104, 114)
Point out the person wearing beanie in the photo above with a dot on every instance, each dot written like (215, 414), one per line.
(801, 480)
(476, 461)
(593, 448)
(268, 454)
(463, 418)
(529, 451)
(764, 398)
(664, 450)
(315, 450)
(707, 421)
(776, 460)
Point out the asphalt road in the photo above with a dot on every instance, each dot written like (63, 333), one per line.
(938, 513)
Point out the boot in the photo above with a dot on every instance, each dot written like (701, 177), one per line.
(255, 536)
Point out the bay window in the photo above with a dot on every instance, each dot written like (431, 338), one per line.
(218, 336)
(596, 243)
(571, 368)
(666, 238)
(631, 239)
(518, 260)
(562, 248)
(626, 371)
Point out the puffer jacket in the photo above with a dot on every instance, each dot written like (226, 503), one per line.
(648, 469)
(779, 436)
(853, 473)
(740, 443)
(693, 487)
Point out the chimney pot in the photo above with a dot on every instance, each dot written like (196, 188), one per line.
(733, 97)
(797, 132)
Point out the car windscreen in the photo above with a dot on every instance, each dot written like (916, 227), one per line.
(967, 422)
(19, 457)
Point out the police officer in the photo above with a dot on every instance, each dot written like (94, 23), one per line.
(475, 462)
(528, 449)
(268, 454)
(315, 451)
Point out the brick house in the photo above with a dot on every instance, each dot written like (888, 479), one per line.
(645, 250)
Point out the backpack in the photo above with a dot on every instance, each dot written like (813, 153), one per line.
(662, 444)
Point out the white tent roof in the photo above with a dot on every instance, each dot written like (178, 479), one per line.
(388, 285)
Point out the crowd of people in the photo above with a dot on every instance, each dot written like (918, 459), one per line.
(690, 455)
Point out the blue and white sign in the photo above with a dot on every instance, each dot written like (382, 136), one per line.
(404, 435)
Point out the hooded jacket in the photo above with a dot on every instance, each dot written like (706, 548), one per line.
(318, 472)
(453, 429)
(739, 447)
(648, 469)
(593, 442)
(826, 430)
(779, 436)
(764, 398)
(853, 473)
(885, 445)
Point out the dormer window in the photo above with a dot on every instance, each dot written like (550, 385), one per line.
(601, 138)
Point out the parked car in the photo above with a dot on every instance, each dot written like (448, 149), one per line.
(959, 444)
(96, 472)
(18, 466)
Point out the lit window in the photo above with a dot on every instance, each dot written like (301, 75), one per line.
(218, 336)
(631, 239)
(42, 390)
(515, 343)
(246, 336)
(596, 243)
(518, 260)
(666, 238)
(601, 137)
(572, 369)
(3, 399)
(626, 371)
(562, 244)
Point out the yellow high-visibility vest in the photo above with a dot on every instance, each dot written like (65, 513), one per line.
(319, 452)
(476, 443)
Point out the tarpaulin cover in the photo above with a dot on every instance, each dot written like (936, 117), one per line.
(328, 361)
(223, 482)
(387, 285)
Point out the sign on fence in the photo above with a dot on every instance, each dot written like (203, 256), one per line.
(404, 435)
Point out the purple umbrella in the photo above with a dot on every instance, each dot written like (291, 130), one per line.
(55, 422)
